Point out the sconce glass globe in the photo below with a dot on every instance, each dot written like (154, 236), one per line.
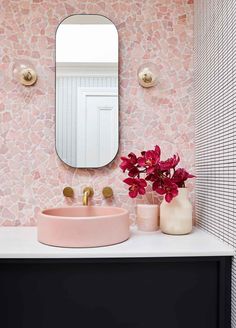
(147, 75)
(24, 72)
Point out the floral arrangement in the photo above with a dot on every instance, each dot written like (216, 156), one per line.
(163, 175)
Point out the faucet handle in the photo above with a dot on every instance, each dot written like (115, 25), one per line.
(89, 191)
(107, 192)
(68, 192)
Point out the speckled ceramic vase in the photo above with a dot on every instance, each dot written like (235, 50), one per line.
(176, 216)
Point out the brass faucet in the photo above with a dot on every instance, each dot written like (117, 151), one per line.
(87, 192)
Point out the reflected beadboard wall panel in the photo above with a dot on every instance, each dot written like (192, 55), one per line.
(68, 101)
(215, 108)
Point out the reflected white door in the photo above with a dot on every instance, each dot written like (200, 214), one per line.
(97, 126)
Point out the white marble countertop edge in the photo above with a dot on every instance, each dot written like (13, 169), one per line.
(21, 243)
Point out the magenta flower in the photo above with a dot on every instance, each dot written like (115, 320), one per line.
(133, 172)
(150, 159)
(128, 163)
(167, 188)
(163, 175)
(181, 175)
(137, 186)
(170, 163)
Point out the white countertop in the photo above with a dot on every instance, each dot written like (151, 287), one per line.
(21, 242)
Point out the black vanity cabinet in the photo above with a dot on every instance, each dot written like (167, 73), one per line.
(186, 292)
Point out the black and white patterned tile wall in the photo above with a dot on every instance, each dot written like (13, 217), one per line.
(215, 115)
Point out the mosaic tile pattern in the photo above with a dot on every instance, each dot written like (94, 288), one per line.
(32, 176)
(215, 98)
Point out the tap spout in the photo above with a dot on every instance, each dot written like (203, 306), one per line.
(87, 192)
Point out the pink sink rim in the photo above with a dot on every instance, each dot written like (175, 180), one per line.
(89, 212)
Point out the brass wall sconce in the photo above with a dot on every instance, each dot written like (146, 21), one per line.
(24, 72)
(147, 75)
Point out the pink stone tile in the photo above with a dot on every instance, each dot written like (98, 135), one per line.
(32, 176)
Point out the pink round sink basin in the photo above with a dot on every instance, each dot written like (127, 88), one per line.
(83, 226)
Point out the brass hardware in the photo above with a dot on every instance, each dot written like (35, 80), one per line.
(87, 192)
(28, 76)
(107, 192)
(147, 77)
(68, 192)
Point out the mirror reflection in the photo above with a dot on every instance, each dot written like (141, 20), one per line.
(87, 91)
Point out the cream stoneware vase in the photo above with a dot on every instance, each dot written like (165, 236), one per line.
(176, 216)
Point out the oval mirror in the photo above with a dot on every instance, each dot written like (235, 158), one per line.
(87, 124)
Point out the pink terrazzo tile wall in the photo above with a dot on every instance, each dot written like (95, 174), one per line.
(32, 176)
